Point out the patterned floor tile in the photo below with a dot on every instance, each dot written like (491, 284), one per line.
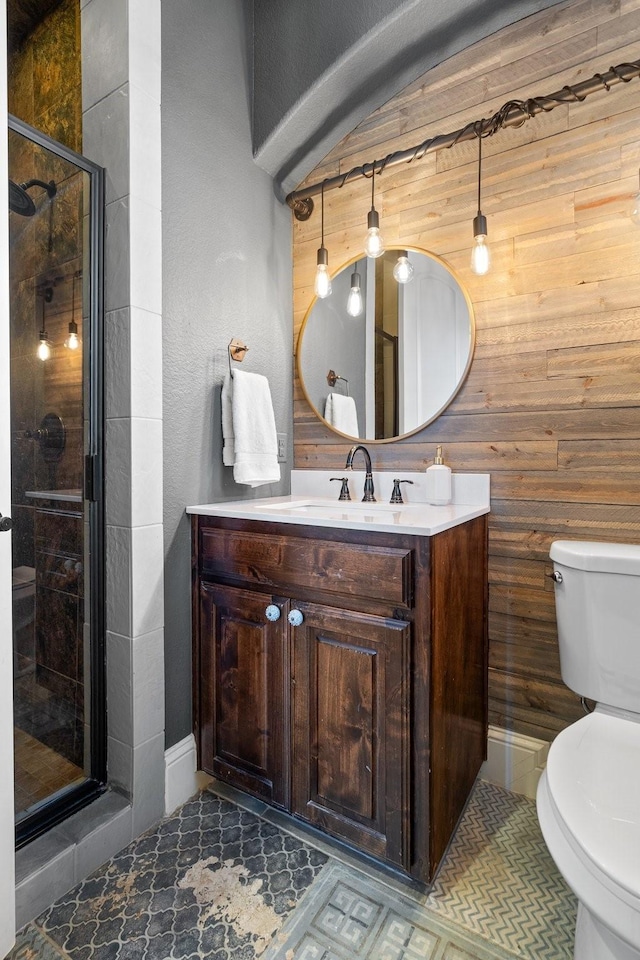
(213, 881)
(31, 944)
(218, 881)
(499, 881)
(346, 915)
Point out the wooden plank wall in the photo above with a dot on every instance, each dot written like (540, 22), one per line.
(551, 406)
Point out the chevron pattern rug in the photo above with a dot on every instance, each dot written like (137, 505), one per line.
(499, 881)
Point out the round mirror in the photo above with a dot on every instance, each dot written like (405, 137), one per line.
(386, 352)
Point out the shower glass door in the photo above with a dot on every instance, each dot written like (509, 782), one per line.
(55, 248)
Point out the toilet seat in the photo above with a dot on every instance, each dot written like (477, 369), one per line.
(593, 778)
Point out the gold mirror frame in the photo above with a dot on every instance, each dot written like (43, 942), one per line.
(349, 264)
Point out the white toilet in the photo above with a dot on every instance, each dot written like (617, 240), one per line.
(589, 795)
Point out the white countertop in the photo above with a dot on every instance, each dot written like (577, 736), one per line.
(305, 506)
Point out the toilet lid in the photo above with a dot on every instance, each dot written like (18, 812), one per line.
(593, 774)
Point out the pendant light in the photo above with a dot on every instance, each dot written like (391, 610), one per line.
(322, 285)
(373, 242)
(44, 346)
(403, 270)
(355, 303)
(72, 341)
(43, 351)
(480, 253)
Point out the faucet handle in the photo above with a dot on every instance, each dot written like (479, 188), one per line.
(344, 490)
(396, 496)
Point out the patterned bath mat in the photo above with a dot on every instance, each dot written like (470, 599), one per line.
(212, 881)
(499, 881)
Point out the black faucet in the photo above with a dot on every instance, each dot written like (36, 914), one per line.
(368, 480)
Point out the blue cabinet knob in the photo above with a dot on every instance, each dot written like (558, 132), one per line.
(295, 618)
(273, 612)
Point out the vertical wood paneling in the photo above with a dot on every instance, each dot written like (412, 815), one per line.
(551, 406)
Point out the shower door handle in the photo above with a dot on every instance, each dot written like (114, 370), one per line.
(5, 523)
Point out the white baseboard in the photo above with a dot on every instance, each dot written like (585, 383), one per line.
(182, 779)
(514, 761)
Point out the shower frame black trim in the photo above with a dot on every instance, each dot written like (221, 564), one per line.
(60, 806)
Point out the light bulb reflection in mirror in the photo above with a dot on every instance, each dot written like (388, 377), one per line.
(403, 270)
(355, 303)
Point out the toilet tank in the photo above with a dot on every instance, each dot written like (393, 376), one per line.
(598, 613)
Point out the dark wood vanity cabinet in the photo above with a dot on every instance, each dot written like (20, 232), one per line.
(368, 720)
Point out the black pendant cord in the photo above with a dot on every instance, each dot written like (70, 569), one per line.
(479, 169)
(513, 113)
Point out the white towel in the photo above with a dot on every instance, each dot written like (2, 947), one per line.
(254, 444)
(228, 439)
(341, 413)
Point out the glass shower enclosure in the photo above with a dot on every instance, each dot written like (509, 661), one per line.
(55, 263)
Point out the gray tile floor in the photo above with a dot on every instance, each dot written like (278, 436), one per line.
(218, 881)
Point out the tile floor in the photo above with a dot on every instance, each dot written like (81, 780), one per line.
(219, 881)
(39, 771)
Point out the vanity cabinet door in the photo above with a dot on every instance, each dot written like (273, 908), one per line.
(350, 773)
(244, 691)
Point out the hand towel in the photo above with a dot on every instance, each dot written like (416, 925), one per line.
(254, 428)
(228, 439)
(341, 413)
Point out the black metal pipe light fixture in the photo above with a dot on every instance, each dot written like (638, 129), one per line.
(513, 113)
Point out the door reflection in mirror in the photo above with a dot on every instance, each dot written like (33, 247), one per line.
(404, 357)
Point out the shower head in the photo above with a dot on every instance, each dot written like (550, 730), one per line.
(20, 201)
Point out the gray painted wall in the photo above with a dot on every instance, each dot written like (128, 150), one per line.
(226, 272)
(321, 68)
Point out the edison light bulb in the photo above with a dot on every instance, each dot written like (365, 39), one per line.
(322, 284)
(44, 347)
(355, 304)
(403, 270)
(72, 342)
(480, 256)
(373, 242)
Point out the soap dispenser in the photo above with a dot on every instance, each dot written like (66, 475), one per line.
(438, 481)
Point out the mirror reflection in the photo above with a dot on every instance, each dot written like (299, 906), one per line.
(386, 352)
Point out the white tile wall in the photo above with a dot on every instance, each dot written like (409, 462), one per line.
(147, 580)
(146, 364)
(107, 124)
(145, 234)
(145, 160)
(146, 472)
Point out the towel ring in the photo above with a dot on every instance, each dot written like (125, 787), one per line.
(333, 377)
(237, 351)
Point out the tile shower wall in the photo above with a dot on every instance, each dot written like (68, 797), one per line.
(45, 257)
